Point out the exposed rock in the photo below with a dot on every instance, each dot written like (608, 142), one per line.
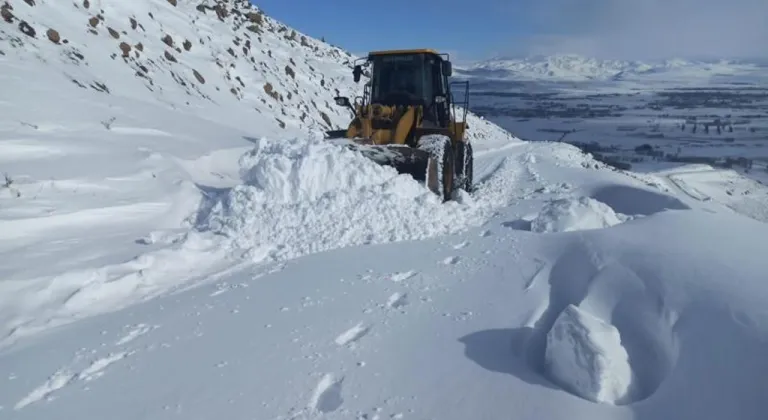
(289, 71)
(134, 24)
(170, 57)
(5, 12)
(271, 91)
(198, 76)
(168, 40)
(93, 21)
(255, 17)
(86, 4)
(53, 35)
(27, 29)
(140, 46)
(172, 2)
(221, 11)
(326, 118)
(187, 45)
(113, 33)
(30, 2)
(126, 48)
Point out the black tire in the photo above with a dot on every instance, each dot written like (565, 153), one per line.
(440, 178)
(465, 162)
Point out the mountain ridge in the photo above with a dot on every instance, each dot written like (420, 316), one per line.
(582, 68)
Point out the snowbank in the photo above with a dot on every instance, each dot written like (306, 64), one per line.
(585, 354)
(569, 214)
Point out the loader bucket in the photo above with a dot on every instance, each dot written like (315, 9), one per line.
(405, 159)
(417, 163)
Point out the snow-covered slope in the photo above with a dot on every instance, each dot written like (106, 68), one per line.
(177, 249)
(572, 67)
(101, 148)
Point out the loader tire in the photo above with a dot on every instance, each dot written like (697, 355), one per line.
(464, 166)
(441, 172)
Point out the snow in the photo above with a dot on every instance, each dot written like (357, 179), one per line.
(576, 68)
(585, 354)
(174, 250)
(302, 196)
(568, 214)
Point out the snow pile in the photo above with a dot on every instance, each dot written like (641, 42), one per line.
(297, 170)
(306, 195)
(569, 214)
(585, 355)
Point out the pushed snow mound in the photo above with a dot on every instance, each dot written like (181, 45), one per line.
(295, 170)
(302, 196)
(570, 214)
(585, 355)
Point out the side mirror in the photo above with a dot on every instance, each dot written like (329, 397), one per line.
(447, 68)
(344, 101)
(357, 72)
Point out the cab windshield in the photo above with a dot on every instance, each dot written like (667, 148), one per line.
(406, 79)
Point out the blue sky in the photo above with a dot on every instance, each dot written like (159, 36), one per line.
(455, 26)
(478, 29)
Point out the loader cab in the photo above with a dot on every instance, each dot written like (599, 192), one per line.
(410, 77)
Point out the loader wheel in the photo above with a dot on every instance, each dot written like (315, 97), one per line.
(464, 166)
(440, 174)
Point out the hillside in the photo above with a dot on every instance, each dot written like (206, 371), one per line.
(93, 135)
(176, 246)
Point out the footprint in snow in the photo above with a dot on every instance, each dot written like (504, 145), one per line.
(134, 333)
(451, 260)
(461, 245)
(327, 396)
(399, 277)
(353, 334)
(397, 300)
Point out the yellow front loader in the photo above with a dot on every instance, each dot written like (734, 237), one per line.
(407, 119)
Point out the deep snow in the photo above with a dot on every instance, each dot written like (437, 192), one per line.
(169, 254)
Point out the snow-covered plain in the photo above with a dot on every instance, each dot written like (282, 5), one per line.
(576, 68)
(181, 250)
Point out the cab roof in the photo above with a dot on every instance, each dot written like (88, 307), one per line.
(413, 51)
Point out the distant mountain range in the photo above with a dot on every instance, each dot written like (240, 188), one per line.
(578, 68)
